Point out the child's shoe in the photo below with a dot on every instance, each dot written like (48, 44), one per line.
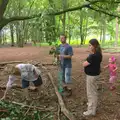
(112, 88)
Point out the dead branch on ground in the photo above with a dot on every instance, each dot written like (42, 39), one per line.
(60, 100)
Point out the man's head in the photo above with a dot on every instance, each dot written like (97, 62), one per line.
(12, 70)
(63, 38)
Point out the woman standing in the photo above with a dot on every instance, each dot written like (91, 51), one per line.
(92, 71)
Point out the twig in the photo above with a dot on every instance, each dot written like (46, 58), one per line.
(3, 110)
(59, 112)
(28, 109)
(10, 62)
(44, 64)
(45, 116)
(60, 100)
(2, 85)
(14, 86)
(31, 107)
(117, 93)
(1, 67)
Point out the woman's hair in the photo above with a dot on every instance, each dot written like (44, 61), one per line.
(12, 70)
(96, 45)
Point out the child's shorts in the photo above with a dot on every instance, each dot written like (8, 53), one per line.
(112, 79)
(36, 83)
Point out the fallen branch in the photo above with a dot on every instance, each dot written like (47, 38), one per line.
(31, 107)
(10, 62)
(60, 100)
(1, 67)
(45, 116)
(13, 87)
(59, 112)
(3, 110)
(28, 109)
(117, 93)
(44, 64)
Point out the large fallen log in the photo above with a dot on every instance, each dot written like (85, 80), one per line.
(60, 100)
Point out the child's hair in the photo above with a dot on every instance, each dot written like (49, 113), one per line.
(12, 70)
(113, 59)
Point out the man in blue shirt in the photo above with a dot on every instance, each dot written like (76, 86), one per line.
(65, 57)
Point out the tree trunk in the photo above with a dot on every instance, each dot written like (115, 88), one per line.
(81, 29)
(104, 31)
(12, 35)
(3, 5)
(0, 37)
(69, 28)
(117, 32)
(86, 29)
(64, 3)
(101, 34)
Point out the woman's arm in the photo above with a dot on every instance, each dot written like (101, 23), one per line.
(86, 63)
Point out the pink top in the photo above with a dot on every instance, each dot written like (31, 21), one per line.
(111, 68)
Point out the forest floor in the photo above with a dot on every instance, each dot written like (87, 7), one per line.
(109, 101)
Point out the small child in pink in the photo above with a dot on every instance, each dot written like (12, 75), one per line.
(112, 69)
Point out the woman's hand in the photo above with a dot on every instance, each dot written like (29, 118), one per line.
(86, 63)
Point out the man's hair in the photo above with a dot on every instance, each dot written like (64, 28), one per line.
(12, 70)
(63, 35)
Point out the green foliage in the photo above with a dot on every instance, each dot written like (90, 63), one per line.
(80, 24)
(15, 112)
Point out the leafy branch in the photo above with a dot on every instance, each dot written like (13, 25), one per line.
(12, 111)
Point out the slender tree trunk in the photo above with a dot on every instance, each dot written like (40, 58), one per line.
(64, 19)
(64, 2)
(104, 31)
(20, 29)
(101, 34)
(117, 32)
(12, 35)
(81, 29)
(4, 38)
(69, 27)
(86, 28)
(1, 36)
(17, 32)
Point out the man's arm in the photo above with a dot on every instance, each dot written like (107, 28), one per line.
(8, 86)
(66, 56)
(5, 93)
